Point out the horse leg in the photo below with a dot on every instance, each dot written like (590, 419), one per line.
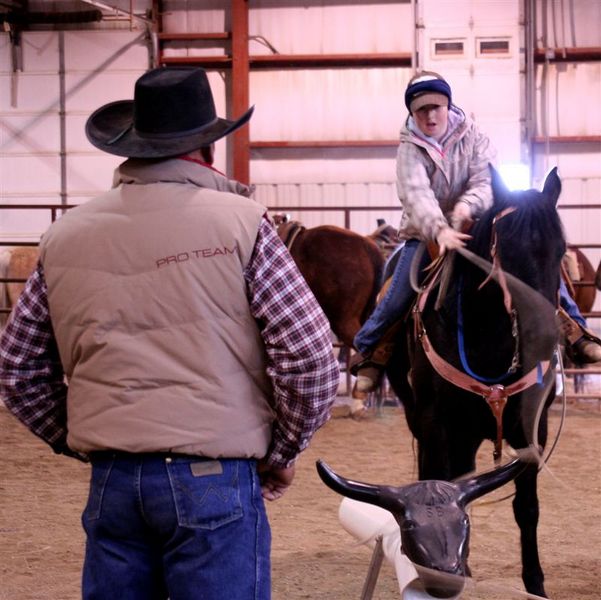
(526, 512)
(526, 508)
(346, 328)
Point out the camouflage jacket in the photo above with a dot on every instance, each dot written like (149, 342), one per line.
(432, 178)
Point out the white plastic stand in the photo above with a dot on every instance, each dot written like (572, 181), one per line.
(377, 528)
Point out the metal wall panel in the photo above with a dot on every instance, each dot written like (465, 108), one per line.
(324, 165)
(353, 26)
(25, 133)
(65, 76)
(568, 24)
(328, 104)
(568, 103)
(207, 16)
(569, 99)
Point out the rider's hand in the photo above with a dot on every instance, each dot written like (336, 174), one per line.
(449, 239)
(461, 213)
(274, 481)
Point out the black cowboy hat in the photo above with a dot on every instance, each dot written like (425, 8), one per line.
(172, 113)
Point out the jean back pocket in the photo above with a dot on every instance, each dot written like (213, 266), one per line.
(206, 492)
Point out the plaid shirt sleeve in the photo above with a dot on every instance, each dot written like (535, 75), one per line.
(32, 382)
(297, 337)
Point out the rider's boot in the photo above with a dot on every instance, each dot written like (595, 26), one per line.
(582, 346)
(369, 369)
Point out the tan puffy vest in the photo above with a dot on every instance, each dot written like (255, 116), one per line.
(150, 311)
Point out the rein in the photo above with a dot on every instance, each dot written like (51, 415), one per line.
(496, 395)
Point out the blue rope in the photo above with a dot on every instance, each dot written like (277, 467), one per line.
(461, 345)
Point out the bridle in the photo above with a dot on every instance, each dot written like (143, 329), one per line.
(496, 395)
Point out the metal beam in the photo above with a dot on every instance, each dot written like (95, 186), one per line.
(567, 139)
(284, 61)
(118, 11)
(325, 144)
(580, 54)
(240, 93)
(295, 61)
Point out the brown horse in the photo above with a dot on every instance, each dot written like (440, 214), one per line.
(342, 268)
(386, 237)
(16, 262)
(580, 278)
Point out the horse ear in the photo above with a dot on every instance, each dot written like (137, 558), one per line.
(499, 189)
(552, 187)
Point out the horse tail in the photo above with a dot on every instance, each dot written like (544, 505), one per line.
(377, 262)
(5, 254)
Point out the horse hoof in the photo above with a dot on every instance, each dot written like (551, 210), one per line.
(361, 415)
(340, 411)
(359, 411)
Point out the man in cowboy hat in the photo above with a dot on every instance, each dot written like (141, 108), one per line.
(167, 337)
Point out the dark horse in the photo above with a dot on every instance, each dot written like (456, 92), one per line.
(342, 268)
(480, 365)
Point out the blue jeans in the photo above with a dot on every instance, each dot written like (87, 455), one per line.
(177, 527)
(400, 294)
(394, 304)
(566, 302)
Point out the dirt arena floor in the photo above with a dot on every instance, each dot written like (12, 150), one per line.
(314, 558)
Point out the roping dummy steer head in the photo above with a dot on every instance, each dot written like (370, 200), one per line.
(432, 518)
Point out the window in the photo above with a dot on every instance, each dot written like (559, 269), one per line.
(451, 48)
(493, 47)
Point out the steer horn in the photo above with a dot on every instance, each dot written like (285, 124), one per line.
(479, 485)
(387, 497)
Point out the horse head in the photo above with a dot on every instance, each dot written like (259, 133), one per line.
(432, 517)
(524, 229)
(279, 218)
(519, 242)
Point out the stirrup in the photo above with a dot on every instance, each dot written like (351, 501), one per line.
(368, 378)
(362, 363)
